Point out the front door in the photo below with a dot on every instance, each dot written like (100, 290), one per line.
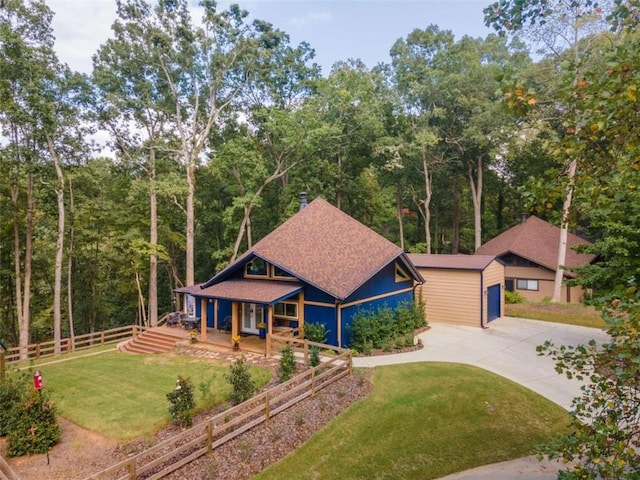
(252, 315)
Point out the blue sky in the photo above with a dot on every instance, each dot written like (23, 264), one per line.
(337, 30)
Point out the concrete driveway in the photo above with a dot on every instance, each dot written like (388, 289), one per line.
(508, 348)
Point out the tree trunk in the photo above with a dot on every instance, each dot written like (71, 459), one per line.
(70, 270)
(23, 295)
(399, 214)
(153, 240)
(455, 221)
(427, 202)
(476, 195)
(57, 283)
(564, 233)
(191, 222)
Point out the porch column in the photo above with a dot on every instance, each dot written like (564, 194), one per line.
(204, 304)
(269, 331)
(301, 310)
(234, 320)
(339, 326)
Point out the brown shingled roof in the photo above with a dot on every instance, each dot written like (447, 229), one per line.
(257, 291)
(536, 241)
(453, 262)
(325, 247)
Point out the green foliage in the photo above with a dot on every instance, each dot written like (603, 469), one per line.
(606, 421)
(315, 332)
(379, 329)
(513, 297)
(243, 386)
(314, 356)
(27, 417)
(182, 402)
(287, 365)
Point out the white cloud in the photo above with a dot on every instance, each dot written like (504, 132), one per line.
(310, 18)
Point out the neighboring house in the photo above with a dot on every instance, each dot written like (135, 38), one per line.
(320, 266)
(461, 289)
(530, 254)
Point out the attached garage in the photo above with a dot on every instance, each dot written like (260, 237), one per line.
(461, 289)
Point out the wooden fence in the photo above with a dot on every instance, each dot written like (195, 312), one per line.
(81, 342)
(171, 454)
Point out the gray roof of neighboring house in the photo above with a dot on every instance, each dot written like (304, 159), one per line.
(451, 262)
(537, 241)
(326, 248)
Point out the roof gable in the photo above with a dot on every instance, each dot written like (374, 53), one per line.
(537, 241)
(325, 247)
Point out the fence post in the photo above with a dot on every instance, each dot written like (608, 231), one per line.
(306, 352)
(37, 350)
(209, 436)
(131, 467)
(313, 382)
(268, 345)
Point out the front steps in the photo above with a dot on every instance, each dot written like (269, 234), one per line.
(151, 341)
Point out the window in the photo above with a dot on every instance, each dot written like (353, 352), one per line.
(256, 267)
(278, 272)
(401, 275)
(286, 309)
(526, 284)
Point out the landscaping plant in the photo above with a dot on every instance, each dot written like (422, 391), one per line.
(27, 417)
(182, 402)
(287, 364)
(315, 332)
(243, 386)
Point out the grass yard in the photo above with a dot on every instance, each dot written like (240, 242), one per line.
(426, 420)
(124, 396)
(572, 314)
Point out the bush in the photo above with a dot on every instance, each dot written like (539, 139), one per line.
(287, 364)
(33, 427)
(13, 389)
(239, 376)
(379, 329)
(513, 297)
(182, 403)
(315, 332)
(314, 358)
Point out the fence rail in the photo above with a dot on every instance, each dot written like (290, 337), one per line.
(171, 454)
(80, 342)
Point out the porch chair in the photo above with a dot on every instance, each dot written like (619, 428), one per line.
(225, 324)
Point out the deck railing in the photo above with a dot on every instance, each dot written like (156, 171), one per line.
(172, 454)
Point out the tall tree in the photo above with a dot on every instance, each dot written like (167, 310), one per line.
(564, 28)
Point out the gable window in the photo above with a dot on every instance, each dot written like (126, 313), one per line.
(279, 273)
(256, 268)
(527, 284)
(286, 309)
(401, 275)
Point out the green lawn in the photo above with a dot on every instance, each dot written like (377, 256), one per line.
(124, 396)
(572, 314)
(426, 420)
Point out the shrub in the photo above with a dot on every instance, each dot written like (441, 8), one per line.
(243, 386)
(33, 427)
(513, 297)
(315, 332)
(15, 386)
(287, 364)
(380, 328)
(314, 358)
(182, 403)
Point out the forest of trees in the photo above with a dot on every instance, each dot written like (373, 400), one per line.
(216, 124)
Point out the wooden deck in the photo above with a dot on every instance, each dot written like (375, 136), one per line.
(221, 341)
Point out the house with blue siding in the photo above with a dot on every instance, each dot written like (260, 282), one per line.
(320, 266)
